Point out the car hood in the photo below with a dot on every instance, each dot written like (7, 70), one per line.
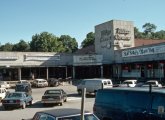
(53, 95)
(13, 98)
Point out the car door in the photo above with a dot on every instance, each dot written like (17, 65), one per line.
(27, 98)
(64, 95)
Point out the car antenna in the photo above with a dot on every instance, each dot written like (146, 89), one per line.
(150, 88)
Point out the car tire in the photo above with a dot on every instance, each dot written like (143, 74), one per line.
(44, 104)
(79, 92)
(65, 100)
(30, 103)
(61, 103)
(5, 107)
(23, 105)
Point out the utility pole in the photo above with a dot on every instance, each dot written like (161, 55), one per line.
(82, 103)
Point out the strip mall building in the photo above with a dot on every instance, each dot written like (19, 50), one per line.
(114, 55)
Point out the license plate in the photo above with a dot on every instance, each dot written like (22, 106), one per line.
(50, 99)
(11, 101)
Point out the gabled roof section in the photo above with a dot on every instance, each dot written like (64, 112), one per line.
(142, 42)
(87, 50)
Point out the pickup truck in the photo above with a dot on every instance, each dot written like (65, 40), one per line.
(154, 83)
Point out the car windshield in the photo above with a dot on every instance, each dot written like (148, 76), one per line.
(11, 95)
(78, 117)
(53, 92)
(127, 82)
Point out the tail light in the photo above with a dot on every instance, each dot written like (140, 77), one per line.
(17, 101)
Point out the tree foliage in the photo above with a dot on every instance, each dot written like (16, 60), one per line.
(149, 28)
(68, 44)
(89, 40)
(47, 42)
(21, 46)
(44, 42)
(7, 47)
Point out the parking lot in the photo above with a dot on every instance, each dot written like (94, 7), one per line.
(74, 101)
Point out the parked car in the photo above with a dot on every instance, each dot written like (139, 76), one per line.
(154, 83)
(128, 83)
(52, 82)
(130, 104)
(3, 93)
(40, 83)
(92, 85)
(54, 96)
(4, 84)
(23, 87)
(17, 99)
(63, 114)
(24, 82)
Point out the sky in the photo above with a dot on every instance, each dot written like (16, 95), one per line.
(21, 19)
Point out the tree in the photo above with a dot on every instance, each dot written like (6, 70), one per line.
(69, 44)
(47, 42)
(160, 34)
(149, 29)
(44, 42)
(21, 46)
(137, 33)
(6, 47)
(89, 40)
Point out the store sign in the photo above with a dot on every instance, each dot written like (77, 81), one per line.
(105, 39)
(88, 59)
(121, 34)
(42, 58)
(144, 51)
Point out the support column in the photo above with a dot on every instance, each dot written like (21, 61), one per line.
(101, 67)
(19, 74)
(47, 73)
(66, 72)
(73, 72)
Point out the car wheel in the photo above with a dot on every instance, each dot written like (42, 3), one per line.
(30, 103)
(23, 105)
(61, 103)
(65, 100)
(5, 107)
(44, 104)
(79, 92)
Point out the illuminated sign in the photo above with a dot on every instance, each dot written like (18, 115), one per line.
(144, 51)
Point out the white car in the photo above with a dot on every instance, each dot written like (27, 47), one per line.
(92, 85)
(154, 83)
(40, 83)
(129, 83)
(3, 93)
(4, 84)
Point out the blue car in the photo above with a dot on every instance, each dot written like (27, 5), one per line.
(17, 100)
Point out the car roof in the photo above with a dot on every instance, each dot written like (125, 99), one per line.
(129, 80)
(99, 79)
(40, 79)
(157, 90)
(152, 80)
(17, 92)
(62, 112)
(54, 89)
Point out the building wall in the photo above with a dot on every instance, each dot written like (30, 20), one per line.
(113, 35)
(30, 59)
